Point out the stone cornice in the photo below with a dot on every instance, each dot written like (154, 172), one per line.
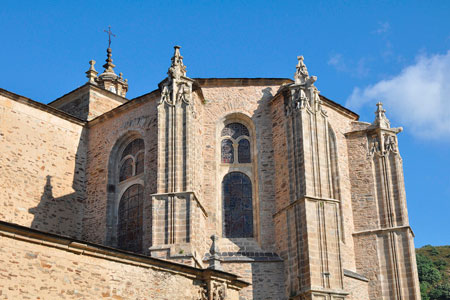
(369, 129)
(68, 244)
(327, 102)
(41, 106)
(304, 198)
(185, 193)
(219, 82)
(355, 275)
(387, 229)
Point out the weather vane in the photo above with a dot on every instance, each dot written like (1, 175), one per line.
(109, 32)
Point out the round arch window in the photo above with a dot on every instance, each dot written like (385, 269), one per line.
(237, 205)
(130, 219)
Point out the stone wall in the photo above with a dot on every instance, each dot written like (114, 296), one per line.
(42, 166)
(383, 239)
(357, 288)
(34, 264)
(88, 102)
(108, 135)
(267, 279)
(307, 194)
(244, 104)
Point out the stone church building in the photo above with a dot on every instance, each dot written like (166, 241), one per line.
(205, 188)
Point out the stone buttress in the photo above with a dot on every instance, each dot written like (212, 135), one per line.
(383, 239)
(177, 213)
(311, 213)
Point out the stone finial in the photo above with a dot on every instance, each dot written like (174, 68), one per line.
(109, 80)
(301, 75)
(91, 74)
(109, 66)
(177, 68)
(381, 120)
(214, 260)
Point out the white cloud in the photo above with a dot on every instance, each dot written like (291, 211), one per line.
(418, 97)
(337, 62)
(383, 27)
(356, 69)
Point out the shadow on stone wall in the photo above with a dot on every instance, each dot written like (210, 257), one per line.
(63, 215)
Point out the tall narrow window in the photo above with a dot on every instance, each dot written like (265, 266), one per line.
(244, 151)
(126, 221)
(237, 205)
(235, 143)
(130, 219)
(227, 151)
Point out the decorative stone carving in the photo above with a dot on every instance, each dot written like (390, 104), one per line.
(176, 88)
(202, 293)
(219, 291)
(91, 74)
(374, 145)
(177, 68)
(108, 80)
(381, 121)
(303, 93)
(142, 122)
(301, 75)
(385, 139)
(390, 144)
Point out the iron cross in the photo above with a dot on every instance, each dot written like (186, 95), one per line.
(109, 32)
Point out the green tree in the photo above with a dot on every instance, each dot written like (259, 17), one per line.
(427, 271)
(440, 292)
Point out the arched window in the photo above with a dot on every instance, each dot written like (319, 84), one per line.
(130, 219)
(227, 151)
(132, 160)
(244, 151)
(237, 205)
(235, 143)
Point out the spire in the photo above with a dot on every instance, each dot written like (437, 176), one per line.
(109, 66)
(380, 117)
(301, 75)
(91, 74)
(177, 68)
(214, 260)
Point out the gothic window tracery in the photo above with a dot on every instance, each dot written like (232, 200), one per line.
(132, 160)
(130, 219)
(237, 205)
(125, 194)
(235, 143)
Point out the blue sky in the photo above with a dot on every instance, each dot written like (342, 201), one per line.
(362, 51)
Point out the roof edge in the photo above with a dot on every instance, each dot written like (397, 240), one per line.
(66, 243)
(327, 101)
(44, 107)
(341, 108)
(130, 103)
(88, 84)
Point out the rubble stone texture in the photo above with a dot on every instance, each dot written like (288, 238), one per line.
(328, 206)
